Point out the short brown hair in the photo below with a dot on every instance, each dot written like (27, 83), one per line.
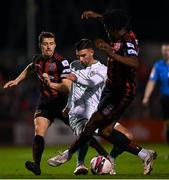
(43, 35)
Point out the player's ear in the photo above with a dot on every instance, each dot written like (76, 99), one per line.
(92, 52)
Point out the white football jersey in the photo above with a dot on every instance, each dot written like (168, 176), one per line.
(86, 92)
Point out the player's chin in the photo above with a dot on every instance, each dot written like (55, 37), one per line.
(48, 54)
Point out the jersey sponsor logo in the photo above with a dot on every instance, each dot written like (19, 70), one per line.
(130, 45)
(65, 63)
(132, 51)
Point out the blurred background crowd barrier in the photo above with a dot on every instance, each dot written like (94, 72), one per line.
(22, 23)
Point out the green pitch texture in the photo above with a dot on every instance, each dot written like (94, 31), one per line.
(127, 166)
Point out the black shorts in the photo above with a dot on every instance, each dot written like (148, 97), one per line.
(113, 103)
(51, 108)
(165, 107)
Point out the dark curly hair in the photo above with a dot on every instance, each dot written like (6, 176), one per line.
(116, 19)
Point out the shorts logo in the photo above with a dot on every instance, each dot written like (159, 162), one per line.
(107, 110)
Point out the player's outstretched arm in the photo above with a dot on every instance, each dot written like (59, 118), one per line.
(21, 77)
(90, 14)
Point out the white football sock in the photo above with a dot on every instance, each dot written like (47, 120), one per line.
(142, 154)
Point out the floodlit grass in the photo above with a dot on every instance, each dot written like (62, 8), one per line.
(127, 166)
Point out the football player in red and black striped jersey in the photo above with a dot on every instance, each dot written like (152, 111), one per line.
(122, 52)
(52, 100)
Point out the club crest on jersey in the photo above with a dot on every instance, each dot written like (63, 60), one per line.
(52, 67)
(92, 73)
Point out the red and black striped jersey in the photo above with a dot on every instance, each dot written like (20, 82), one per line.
(121, 76)
(56, 67)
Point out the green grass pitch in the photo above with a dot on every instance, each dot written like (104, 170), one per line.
(127, 166)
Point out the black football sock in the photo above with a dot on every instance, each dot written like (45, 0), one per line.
(95, 144)
(116, 151)
(81, 154)
(119, 139)
(38, 147)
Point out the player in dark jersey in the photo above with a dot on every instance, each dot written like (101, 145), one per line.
(119, 90)
(51, 101)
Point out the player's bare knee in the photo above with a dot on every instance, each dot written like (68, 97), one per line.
(39, 131)
(130, 136)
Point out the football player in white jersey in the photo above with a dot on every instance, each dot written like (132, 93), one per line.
(88, 76)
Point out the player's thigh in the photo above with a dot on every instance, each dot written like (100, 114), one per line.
(106, 100)
(119, 127)
(107, 130)
(41, 125)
